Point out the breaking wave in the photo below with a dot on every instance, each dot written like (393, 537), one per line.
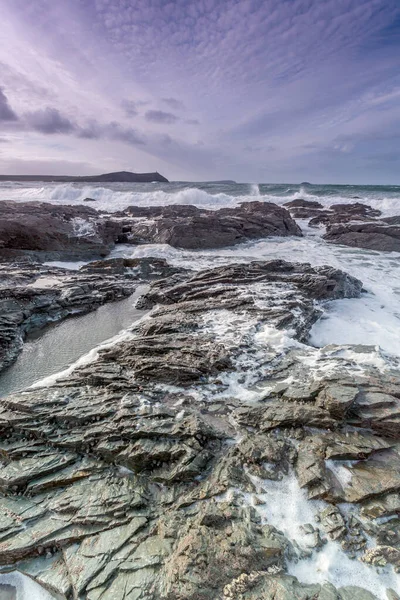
(118, 196)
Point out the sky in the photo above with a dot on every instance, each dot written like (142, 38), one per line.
(250, 90)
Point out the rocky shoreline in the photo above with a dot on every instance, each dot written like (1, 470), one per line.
(201, 459)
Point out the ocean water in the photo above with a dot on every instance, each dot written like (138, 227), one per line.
(116, 196)
(372, 320)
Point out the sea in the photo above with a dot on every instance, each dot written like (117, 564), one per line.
(372, 320)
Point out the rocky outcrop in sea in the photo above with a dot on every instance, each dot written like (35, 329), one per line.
(355, 224)
(214, 454)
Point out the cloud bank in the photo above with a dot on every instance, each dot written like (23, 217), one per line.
(252, 90)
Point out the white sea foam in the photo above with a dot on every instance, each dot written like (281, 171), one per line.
(64, 264)
(373, 319)
(116, 196)
(27, 589)
(82, 227)
(286, 507)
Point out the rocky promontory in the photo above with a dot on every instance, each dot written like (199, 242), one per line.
(117, 177)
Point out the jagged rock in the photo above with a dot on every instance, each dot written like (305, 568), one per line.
(51, 231)
(277, 414)
(377, 411)
(337, 399)
(345, 213)
(333, 523)
(192, 227)
(259, 585)
(377, 235)
(139, 471)
(305, 209)
(351, 592)
(221, 543)
(382, 555)
(385, 506)
(373, 477)
(33, 296)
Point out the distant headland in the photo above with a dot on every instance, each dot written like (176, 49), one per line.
(119, 177)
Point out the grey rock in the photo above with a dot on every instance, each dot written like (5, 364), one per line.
(193, 228)
(371, 235)
(355, 593)
(138, 471)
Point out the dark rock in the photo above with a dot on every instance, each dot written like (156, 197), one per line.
(142, 474)
(49, 231)
(33, 296)
(191, 227)
(345, 213)
(300, 203)
(373, 236)
(304, 209)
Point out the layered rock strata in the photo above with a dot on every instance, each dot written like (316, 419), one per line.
(152, 472)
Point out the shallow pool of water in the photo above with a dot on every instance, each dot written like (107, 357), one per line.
(61, 345)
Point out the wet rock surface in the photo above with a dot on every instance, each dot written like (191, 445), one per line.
(33, 296)
(335, 214)
(194, 228)
(52, 232)
(149, 473)
(355, 224)
(378, 235)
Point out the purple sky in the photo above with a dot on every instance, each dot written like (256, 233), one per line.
(251, 90)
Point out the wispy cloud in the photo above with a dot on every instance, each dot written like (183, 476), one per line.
(316, 81)
(6, 112)
(49, 121)
(159, 116)
(174, 103)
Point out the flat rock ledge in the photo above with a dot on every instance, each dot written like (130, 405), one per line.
(149, 473)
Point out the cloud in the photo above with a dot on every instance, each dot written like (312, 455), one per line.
(116, 131)
(317, 81)
(6, 112)
(130, 107)
(49, 121)
(159, 116)
(94, 130)
(174, 103)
